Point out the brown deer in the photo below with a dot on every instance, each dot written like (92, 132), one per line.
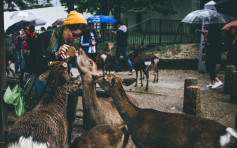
(155, 129)
(143, 63)
(45, 125)
(103, 136)
(96, 110)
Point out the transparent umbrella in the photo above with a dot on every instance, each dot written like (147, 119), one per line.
(22, 15)
(37, 22)
(208, 16)
(58, 22)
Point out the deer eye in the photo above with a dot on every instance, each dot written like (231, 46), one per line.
(91, 62)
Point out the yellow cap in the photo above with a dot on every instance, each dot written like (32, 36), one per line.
(74, 18)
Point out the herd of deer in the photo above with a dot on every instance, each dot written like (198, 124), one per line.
(109, 121)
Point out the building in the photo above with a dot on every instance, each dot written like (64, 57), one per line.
(182, 8)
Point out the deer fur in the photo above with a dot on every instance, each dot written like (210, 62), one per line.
(45, 125)
(103, 136)
(155, 129)
(142, 63)
(96, 110)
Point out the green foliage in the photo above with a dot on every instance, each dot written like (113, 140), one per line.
(141, 6)
(26, 4)
(116, 7)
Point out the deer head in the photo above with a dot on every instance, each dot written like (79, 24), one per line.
(113, 81)
(86, 66)
(58, 71)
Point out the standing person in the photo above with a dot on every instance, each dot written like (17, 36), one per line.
(231, 46)
(213, 54)
(30, 37)
(90, 41)
(121, 37)
(17, 46)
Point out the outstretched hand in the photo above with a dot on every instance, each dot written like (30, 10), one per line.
(61, 53)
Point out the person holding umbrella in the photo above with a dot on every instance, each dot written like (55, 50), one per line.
(231, 45)
(213, 43)
(17, 46)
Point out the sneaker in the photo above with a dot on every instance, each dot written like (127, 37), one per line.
(131, 72)
(217, 84)
(209, 85)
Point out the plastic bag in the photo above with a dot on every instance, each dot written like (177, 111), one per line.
(14, 97)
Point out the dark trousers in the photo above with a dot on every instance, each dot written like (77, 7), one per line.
(126, 58)
(211, 69)
(19, 59)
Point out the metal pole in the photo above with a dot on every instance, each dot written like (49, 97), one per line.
(3, 109)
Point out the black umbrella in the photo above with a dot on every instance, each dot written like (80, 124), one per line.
(15, 26)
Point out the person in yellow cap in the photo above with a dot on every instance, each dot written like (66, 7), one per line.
(51, 46)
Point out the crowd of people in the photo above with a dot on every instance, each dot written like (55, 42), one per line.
(53, 42)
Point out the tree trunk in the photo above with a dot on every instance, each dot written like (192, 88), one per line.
(229, 69)
(3, 109)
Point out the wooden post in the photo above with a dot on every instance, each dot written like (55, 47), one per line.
(190, 81)
(3, 108)
(227, 80)
(189, 104)
(192, 101)
(233, 87)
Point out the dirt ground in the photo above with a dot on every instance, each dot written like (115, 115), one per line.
(167, 96)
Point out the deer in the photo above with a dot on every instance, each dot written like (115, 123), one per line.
(96, 110)
(144, 62)
(105, 57)
(103, 136)
(152, 128)
(46, 124)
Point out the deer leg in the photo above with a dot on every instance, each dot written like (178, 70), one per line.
(103, 71)
(147, 79)
(136, 78)
(154, 80)
(141, 78)
(157, 75)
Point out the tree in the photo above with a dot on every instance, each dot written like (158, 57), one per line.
(26, 4)
(116, 7)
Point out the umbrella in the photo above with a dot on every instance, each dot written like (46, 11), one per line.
(58, 22)
(101, 19)
(37, 22)
(206, 15)
(22, 15)
(15, 26)
(227, 26)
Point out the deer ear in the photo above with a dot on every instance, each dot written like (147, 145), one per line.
(128, 82)
(112, 83)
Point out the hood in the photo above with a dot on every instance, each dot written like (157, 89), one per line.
(123, 28)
